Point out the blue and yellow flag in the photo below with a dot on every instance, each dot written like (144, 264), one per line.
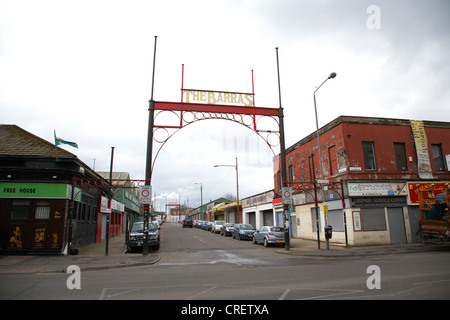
(59, 141)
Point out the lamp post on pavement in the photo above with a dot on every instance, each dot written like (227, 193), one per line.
(331, 76)
(237, 182)
(201, 200)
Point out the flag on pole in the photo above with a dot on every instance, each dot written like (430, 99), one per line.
(59, 141)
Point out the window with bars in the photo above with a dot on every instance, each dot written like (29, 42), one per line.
(42, 209)
(19, 209)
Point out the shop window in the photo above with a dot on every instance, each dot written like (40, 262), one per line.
(400, 156)
(19, 209)
(369, 155)
(42, 209)
(437, 157)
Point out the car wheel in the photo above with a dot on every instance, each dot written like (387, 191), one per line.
(254, 240)
(266, 243)
(233, 236)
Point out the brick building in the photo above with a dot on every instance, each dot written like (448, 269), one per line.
(380, 163)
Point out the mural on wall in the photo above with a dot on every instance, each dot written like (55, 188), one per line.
(16, 239)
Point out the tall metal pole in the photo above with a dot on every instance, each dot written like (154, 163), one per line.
(237, 190)
(283, 159)
(108, 215)
(331, 76)
(315, 200)
(345, 215)
(148, 164)
(202, 215)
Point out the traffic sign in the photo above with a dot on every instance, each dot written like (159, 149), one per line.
(287, 195)
(145, 194)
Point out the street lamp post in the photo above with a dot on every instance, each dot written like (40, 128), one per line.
(331, 76)
(237, 182)
(201, 200)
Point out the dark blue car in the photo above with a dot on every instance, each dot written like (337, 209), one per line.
(243, 231)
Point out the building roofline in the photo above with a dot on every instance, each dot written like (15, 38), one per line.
(364, 120)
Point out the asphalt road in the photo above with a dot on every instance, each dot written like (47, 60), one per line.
(196, 265)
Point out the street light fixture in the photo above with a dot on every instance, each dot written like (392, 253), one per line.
(237, 182)
(331, 76)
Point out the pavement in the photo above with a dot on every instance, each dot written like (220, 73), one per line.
(89, 258)
(92, 257)
(310, 248)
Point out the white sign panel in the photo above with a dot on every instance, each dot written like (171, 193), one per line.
(287, 195)
(377, 189)
(145, 194)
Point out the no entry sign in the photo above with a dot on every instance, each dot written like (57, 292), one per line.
(145, 194)
(287, 195)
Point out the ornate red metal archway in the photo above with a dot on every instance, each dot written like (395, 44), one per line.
(167, 118)
(241, 109)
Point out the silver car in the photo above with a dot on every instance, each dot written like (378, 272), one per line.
(217, 225)
(269, 235)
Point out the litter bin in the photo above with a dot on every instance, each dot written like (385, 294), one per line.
(328, 232)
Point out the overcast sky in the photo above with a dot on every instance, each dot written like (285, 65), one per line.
(84, 69)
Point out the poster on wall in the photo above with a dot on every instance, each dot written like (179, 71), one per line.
(423, 158)
(357, 221)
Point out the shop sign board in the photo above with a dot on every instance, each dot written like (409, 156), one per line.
(35, 190)
(433, 188)
(376, 189)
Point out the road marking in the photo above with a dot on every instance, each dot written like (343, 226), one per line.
(285, 293)
(195, 237)
(200, 293)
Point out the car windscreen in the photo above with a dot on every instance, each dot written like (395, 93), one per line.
(137, 227)
(247, 227)
(276, 229)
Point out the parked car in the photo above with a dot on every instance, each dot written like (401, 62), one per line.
(187, 223)
(203, 224)
(227, 229)
(136, 236)
(216, 226)
(269, 235)
(208, 226)
(243, 231)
